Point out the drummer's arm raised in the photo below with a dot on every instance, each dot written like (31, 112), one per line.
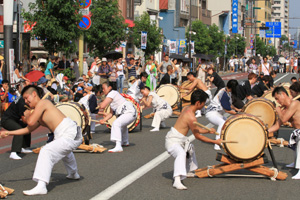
(105, 103)
(197, 131)
(147, 102)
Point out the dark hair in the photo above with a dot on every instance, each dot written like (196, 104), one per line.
(31, 88)
(144, 74)
(145, 87)
(191, 73)
(251, 76)
(110, 84)
(5, 81)
(198, 95)
(167, 55)
(295, 87)
(33, 58)
(272, 73)
(266, 78)
(232, 84)
(279, 90)
(97, 88)
(210, 68)
(131, 58)
(293, 78)
(265, 57)
(169, 67)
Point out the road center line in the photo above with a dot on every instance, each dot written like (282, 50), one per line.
(130, 178)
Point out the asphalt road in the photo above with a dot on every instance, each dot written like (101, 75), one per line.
(144, 171)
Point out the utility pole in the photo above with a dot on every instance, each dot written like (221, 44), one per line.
(190, 34)
(8, 9)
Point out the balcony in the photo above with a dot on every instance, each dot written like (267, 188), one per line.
(205, 16)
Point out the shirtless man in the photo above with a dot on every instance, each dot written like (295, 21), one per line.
(289, 113)
(67, 137)
(177, 143)
(197, 84)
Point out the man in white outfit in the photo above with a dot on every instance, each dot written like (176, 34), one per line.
(125, 113)
(67, 137)
(134, 90)
(177, 143)
(289, 113)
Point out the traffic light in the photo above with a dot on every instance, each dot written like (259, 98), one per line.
(292, 43)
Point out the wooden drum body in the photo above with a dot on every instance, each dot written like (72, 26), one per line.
(135, 123)
(263, 109)
(78, 113)
(186, 84)
(169, 93)
(249, 132)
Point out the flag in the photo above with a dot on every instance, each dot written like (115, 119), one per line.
(172, 48)
(143, 40)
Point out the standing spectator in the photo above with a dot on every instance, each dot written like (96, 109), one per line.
(174, 75)
(120, 72)
(94, 72)
(295, 66)
(253, 68)
(104, 71)
(85, 67)
(231, 64)
(75, 66)
(63, 64)
(113, 77)
(236, 64)
(128, 58)
(213, 77)
(131, 68)
(185, 71)
(287, 65)
(152, 75)
(201, 71)
(34, 64)
(265, 67)
(49, 70)
(162, 68)
(95, 61)
(139, 66)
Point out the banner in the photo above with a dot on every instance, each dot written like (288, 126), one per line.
(172, 48)
(11, 64)
(182, 43)
(192, 47)
(143, 40)
(235, 16)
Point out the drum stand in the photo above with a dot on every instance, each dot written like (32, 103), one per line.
(229, 165)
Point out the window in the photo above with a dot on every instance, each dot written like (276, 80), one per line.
(129, 9)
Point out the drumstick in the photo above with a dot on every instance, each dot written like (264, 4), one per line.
(202, 126)
(162, 96)
(296, 97)
(97, 121)
(229, 141)
(46, 95)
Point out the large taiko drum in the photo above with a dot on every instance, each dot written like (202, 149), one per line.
(135, 123)
(262, 108)
(268, 94)
(183, 92)
(78, 113)
(169, 93)
(250, 134)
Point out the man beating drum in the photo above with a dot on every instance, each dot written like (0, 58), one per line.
(177, 143)
(67, 137)
(197, 83)
(134, 90)
(289, 112)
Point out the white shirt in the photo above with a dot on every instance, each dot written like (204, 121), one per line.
(295, 63)
(85, 101)
(118, 100)
(134, 91)
(85, 68)
(157, 102)
(120, 67)
(265, 68)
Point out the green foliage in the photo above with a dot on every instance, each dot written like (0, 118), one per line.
(235, 45)
(202, 38)
(285, 46)
(271, 50)
(154, 36)
(108, 27)
(56, 23)
(217, 46)
(260, 47)
(69, 73)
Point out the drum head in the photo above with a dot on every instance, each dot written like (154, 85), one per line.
(263, 109)
(169, 93)
(135, 123)
(72, 111)
(186, 84)
(250, 134)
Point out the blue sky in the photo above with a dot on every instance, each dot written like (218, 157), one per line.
(294, 12)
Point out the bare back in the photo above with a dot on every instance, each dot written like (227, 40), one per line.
(200, 85)
(48, 115)
(293, 110)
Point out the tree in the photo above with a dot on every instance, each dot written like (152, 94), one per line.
(56, 23)
(154, 35)
(260, 47)
(217, 45)
(284, 41)
(271, 50)
(236, 45)
(108, 28)
(202, 39)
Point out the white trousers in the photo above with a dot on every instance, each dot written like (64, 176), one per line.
(152, 82)
(51, 153)
(175, 142)
(160, 116)
(119, 130)
(93, 124)
(217, 119)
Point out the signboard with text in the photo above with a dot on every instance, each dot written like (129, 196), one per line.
(235, 8)
(274, 30)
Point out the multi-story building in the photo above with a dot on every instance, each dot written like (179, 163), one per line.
(263, 14)
(281, 14)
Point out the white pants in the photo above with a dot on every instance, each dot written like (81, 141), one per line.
(59, 149)
(217, 119)
(93, 124)
(160, 116)
(175, 143)
(119, 130)
(152, 82)
(295, 142)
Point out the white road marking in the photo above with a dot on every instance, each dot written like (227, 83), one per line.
(130, 178)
